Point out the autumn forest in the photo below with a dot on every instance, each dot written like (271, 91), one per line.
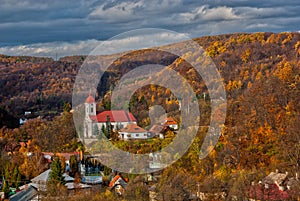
(261, 75)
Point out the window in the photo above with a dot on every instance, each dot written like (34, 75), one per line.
(92, 109)
(137, 135)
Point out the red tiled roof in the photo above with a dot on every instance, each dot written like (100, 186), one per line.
(113, 181)
(90, 99)
(133, 128)
(170, 121)
(116, 116)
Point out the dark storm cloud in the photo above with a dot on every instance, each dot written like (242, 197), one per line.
(24, 22)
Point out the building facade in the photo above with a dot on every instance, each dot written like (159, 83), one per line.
(95, 122)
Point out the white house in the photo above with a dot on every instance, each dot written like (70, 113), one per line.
(134, 132)
(117, 118)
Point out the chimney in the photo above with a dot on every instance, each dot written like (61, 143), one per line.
(277, 171)
(286, 173)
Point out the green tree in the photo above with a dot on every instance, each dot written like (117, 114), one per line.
(16, 177)
(73, 165)
(55, 185)
(5, 189)
(67, 107)
(56, 174)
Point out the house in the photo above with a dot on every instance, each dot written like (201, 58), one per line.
(275, 186)
(159, 131)
(94, 121)
(171, 123)
(118, 184)
(39, 183)
(133, 132)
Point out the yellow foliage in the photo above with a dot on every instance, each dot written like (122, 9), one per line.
(285, 71)
(233, 85)
(258, 76)
(223, 63)
(288, 39)
(246, 55)
(216, 48)
(223, 173)
(297, 45)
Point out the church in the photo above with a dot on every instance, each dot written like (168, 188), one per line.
(94, 122)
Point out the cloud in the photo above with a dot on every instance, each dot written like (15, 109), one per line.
(52, 49)
(204, 13)
(119, 12)
(144, 39)
(25, 22)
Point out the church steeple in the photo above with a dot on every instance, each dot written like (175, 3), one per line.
(90, 106)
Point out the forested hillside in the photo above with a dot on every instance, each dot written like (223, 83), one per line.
(261, 74)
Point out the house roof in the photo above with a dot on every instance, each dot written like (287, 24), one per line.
(275, 178)
(133, 128)
(170, 121)
(117, 180)
(116, 116)
(44, 177)
(156, 129)
(90, 99)
(28, 194)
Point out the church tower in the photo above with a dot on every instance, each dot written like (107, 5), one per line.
(90, 112)
(90, 106)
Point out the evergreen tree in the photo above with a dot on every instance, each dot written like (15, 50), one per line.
(18, 180)
(16, 177)
(5, 189)
(73, 165)
(67, 107)
(56, 174)
(55, 186)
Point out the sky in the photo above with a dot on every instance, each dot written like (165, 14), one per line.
(76, 27)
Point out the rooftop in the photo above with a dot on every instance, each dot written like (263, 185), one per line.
(133, 128)
(90, 99)
(115, 116)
